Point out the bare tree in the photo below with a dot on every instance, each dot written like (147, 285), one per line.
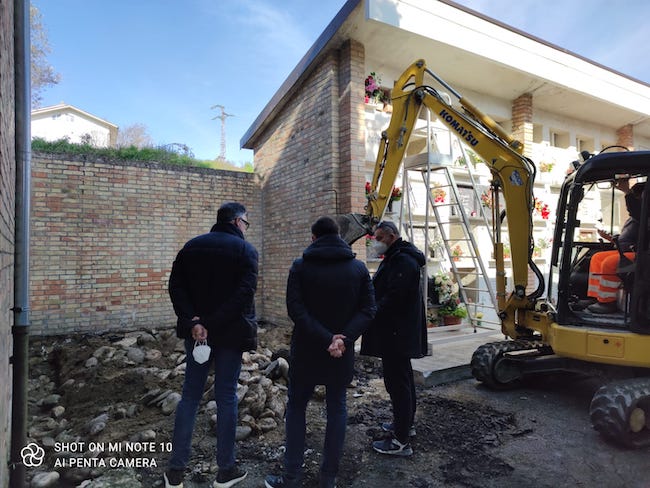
(42, 73)
(134, 135)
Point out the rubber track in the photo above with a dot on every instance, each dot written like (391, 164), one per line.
(485, 356)
(611, 407)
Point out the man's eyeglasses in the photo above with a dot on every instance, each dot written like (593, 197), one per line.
(246, 224)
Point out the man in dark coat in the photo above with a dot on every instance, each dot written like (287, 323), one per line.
(212, 286)
(398, 332)
(331, 301)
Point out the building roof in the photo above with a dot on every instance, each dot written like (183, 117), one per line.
(478, 53)
(65, 108)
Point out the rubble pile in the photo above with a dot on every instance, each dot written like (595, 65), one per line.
(103, 406)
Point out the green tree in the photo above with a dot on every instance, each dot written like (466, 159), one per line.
(42, 73)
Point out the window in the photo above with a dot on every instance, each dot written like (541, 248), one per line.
(585, 144)
(559, 139)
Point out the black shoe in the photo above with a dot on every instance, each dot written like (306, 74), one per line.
(280, 482)
(603, 307)
(393, 447)
(388, 427)
(173, 478)
(229, 477)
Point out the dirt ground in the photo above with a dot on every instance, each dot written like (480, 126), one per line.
(467, 436)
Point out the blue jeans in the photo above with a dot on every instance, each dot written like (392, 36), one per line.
(227, 365)
(337, 414)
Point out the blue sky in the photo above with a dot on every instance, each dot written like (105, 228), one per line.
(164, 63)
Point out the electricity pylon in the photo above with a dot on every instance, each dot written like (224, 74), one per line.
(222, 117)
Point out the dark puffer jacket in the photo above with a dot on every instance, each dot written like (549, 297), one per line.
(214, 277)
(399, 328)
(328, 292)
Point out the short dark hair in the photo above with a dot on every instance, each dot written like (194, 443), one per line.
(229, 211)
(324, 226)
(389, 226)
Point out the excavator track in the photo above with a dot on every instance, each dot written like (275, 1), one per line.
(488, 367)
(620, 412)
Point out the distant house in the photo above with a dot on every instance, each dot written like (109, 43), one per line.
(61, 121)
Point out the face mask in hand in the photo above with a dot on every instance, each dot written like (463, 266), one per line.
(379, 247)
(201, 352)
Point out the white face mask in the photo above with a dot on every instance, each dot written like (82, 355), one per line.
(201, 352)
(380, 247)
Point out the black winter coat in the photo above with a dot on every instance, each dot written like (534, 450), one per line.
(214, 277)
(328, 292)
(399, 328)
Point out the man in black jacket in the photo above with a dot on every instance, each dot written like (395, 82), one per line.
(399, 331)
(331, 302)
(212, 286)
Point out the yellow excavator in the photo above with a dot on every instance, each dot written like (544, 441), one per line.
(549, 329)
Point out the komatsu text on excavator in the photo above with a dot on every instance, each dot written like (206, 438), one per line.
(550, 329)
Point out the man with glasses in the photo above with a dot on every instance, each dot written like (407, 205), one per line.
(212, 286)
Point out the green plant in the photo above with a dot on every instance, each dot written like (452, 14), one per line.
(457, 251)
(131, 153)
(453, 307)
(546, 166)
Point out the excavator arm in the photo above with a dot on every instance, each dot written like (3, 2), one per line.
(512, 172)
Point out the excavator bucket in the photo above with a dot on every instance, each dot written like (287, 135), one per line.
(353, 226)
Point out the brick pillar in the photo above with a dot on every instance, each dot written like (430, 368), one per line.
(351, 133)
(625, 136)
(522, 121)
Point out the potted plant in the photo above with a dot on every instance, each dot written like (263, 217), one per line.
(486, 199)
(452, 311)
(546, 166)
(457, 252)
(395, 196)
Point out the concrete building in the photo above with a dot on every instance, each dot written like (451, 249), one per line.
(315, 141)
(61, 121)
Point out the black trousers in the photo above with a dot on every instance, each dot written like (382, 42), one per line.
(398, 379)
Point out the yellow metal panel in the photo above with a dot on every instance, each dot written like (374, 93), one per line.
(605, 345)
(588, 344)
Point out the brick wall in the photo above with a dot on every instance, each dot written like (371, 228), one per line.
(104, 236)
(7, 219)
(303, 160)
(522, 122)
(625, 136)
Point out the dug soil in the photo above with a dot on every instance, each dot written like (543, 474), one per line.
(467, 436)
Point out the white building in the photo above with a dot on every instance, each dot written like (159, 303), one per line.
(65, 121)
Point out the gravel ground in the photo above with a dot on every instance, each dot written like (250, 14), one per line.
(467, 435)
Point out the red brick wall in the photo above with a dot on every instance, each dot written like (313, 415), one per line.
(625, 136)
(522, 121)
(308, 159)
(7, 218)
(104, 236)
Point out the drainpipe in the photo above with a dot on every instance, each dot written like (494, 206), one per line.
(20, 329)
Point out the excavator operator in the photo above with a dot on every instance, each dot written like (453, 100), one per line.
(604, 281)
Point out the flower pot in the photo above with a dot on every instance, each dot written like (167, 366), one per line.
(451, 320)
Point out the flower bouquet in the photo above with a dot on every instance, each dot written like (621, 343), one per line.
(439, 194)
(542, 209)
(374, 92)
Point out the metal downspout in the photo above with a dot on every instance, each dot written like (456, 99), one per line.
(20, 329)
